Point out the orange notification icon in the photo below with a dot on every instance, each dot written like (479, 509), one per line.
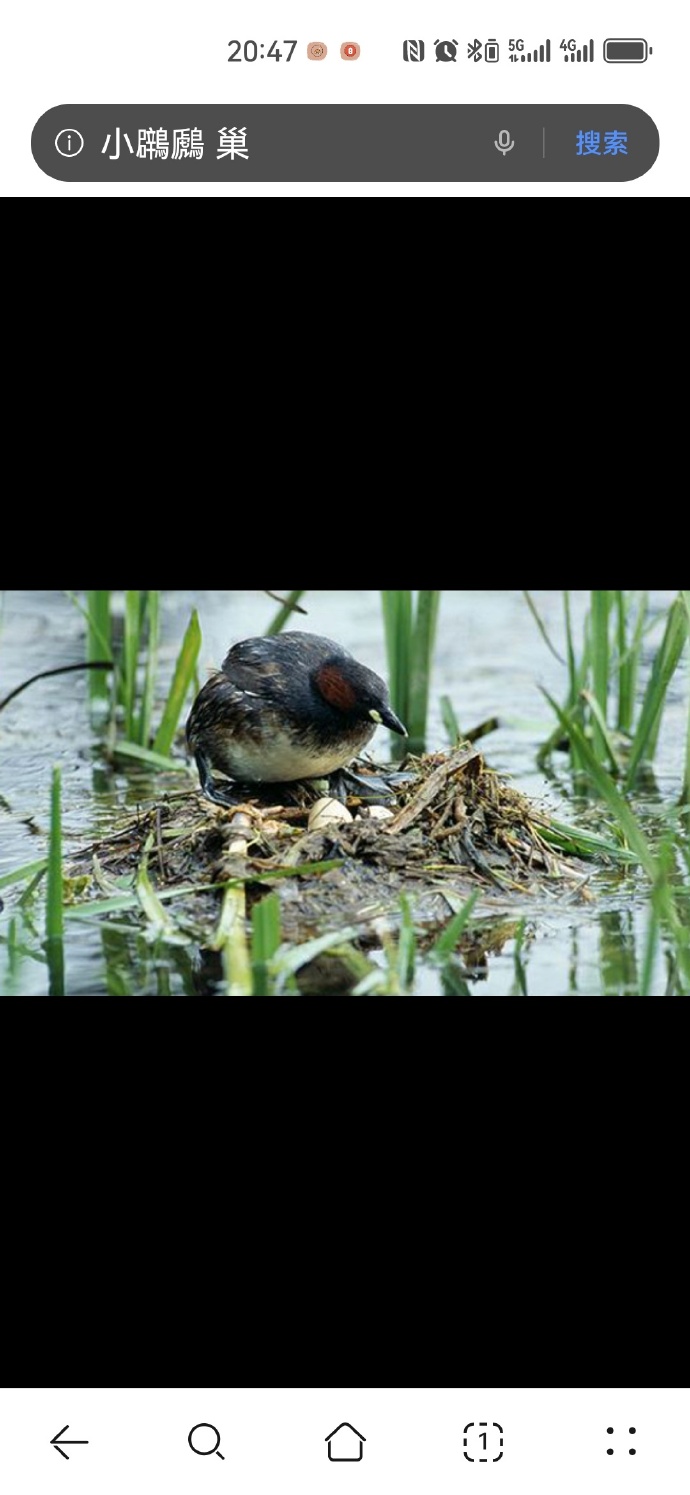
(350, 51)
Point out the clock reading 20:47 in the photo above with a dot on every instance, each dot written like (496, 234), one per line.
(249, 51)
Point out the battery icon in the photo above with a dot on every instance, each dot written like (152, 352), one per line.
(491, 50)
(625, 49)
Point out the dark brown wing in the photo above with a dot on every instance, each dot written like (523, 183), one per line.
(221, 707)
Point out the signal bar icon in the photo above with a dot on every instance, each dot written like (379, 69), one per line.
(581, 54)
(541, 54)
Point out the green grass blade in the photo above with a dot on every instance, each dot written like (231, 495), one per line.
(54, 919)
(685, 798)
(422, 652)
(161, 924)
(600, 606)
(20, 874)
(625, 699)
(182, 679)
(397, 618)
(151, 758)
(447, 941)
(634, 835)
(453, 982)
(450, 721)
(54, 910)
(266, 937)
(284, 613)
(629, 659)
(650, 953)
(570, 647)
(144, 722)
(580, 843)
(98, 640)
(609, 749)
(520, 982)
(289, 958)
(578, 674)
(130, 658)
(664, 666)
(407, 948)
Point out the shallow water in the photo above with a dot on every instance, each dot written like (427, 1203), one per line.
(490, 660)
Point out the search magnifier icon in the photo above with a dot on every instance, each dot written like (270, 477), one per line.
(215, 1447)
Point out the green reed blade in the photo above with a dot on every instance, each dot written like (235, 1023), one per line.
(629, 653)
(130, 656)
(685, 796)
(599, 614)
(98, 641)
(625, 700)
(266, 937)
(447, 941)
(20, 874)
(572, 667)
(422, 652)
(54, 918)
(149, 757)
(288, 958)
(143, 732)
(597, 715)
(519, 988)
(397, 617)
(181, 682)
(54, 909)
(407, 947)
(450, 721)
(634, 835)
(664, 666)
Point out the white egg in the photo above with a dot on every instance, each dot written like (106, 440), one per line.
(327, 812)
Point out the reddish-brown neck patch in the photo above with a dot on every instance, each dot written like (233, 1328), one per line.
(335, 688)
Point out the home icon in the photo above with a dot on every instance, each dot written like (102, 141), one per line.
(347, 1443)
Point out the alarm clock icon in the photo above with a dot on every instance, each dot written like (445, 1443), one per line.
(446, 51)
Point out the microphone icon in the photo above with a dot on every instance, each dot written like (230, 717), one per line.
(504, 142)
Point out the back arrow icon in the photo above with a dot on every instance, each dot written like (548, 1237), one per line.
(58, 1439)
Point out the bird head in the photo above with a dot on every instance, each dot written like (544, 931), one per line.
(359, 694)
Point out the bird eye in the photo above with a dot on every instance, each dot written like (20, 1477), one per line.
(376, 717)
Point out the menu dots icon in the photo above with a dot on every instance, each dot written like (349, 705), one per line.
(632, 1432)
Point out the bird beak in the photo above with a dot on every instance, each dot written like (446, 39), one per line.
(387, 718)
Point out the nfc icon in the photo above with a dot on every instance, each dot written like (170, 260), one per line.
(413, 51)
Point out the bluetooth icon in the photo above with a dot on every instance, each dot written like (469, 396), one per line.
(474, 50)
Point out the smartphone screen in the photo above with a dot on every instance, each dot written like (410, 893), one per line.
(158, 98)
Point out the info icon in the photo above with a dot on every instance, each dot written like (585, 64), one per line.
(316, 51)
(350, 51)
(413, 51)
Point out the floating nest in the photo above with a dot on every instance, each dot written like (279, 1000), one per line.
(445, 825)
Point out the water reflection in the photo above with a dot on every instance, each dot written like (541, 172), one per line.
(617, 955)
